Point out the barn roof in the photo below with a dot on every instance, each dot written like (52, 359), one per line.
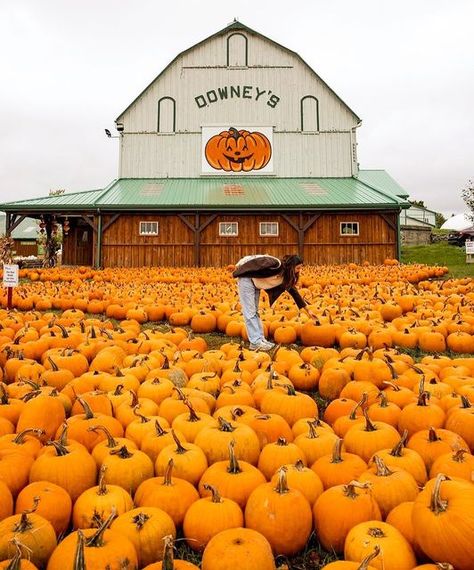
(220, 193)
(235, 26)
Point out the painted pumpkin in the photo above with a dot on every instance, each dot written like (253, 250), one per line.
(237, 151)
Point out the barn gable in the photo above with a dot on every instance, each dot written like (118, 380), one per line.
(237, 78)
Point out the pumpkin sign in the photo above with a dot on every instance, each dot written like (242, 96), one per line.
(238, 150)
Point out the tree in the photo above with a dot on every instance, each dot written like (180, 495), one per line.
(467, 194)
(439, 219)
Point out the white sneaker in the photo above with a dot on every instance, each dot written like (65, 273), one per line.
(262, 345)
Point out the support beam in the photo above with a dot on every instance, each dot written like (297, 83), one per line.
(112, 220)
(89, 220)
(15, 221)
(301, 228)
(197, 228)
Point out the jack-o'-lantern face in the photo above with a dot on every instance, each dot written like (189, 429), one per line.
(236, 151)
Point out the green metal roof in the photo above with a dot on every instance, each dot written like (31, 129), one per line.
(382, 180)
(219, 193)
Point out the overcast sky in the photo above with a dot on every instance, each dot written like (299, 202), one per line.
(68, 68)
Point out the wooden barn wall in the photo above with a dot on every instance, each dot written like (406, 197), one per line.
(376, 241)
(122, 246)
(25, 248)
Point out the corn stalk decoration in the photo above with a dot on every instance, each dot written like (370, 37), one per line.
(6, 249)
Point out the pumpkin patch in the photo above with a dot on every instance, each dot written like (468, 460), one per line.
(126, 415)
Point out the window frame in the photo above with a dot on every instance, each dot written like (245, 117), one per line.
(148, 234)
(261, 234)
(224, 234)
(352, 234)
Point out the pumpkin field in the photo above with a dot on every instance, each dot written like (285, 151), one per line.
(139, 432)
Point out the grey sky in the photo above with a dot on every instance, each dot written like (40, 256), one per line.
(68, 68)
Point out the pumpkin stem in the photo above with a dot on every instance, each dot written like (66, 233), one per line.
(87, 409)
(167, 476)
(234, 466)
(336, 451)
(432, 435)
(168, 555)
(79, 558)
(360, 404)
(381, 469)
(102, 486)
(143, 419)
(140, 520)
(369, 426)
(383, 399)
(193, 417)
(3, 395)
(59, 448)
(349, 489)
(376, 532)
(24, 523)
(299, 465)
(394, 387)
(96, 540)
(437, 505)
(122, 452)
(224, 425)
(111, 442)
(216, 498)
(15, 562)
(234, 133)
(397, 449)
(54, 366)
(365, 563)
(465, 403)
(281, 441)
(282, 484)
(458, 455)
(20, 438)
(179, 447)
(312, 431)
(159, 430)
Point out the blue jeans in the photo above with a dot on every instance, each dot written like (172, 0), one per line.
(249, 296)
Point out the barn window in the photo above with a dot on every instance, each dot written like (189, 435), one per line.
(237, 50)
(148, 228)
(228, 228)
(166, 115)
(269, 229)
(309, 114)
(349, 228)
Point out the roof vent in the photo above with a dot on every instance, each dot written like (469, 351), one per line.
(151, 189)
(314, 189)
(233, 190)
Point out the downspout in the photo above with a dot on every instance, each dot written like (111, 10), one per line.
(98, 252)
(399, 236)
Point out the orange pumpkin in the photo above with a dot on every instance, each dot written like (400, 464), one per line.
(237, 151)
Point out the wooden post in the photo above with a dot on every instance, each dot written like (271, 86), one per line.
(9, 297)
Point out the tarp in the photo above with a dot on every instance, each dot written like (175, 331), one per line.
(458, 223)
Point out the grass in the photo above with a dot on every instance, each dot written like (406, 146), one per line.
(451, 256)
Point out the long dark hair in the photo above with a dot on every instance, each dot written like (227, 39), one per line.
(290, 277)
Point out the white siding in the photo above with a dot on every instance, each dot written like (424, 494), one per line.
(193, 82)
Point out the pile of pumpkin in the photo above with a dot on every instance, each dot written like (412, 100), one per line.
(115, 440)
(357, 306)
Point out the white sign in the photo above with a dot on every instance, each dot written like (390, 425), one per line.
(10, 275)
(237, 150)
(469, 246)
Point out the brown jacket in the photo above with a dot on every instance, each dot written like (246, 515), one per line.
(267, 266)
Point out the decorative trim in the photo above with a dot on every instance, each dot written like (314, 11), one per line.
(302, 113)
(159, 111)
(246, 48)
